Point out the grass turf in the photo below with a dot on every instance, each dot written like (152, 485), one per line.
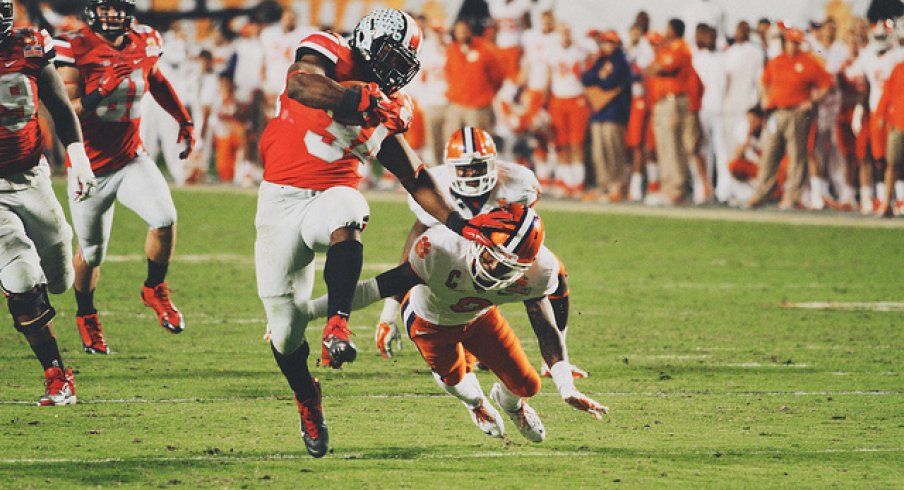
(710, 382)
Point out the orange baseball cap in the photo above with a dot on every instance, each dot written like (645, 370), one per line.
(609, 37)
(794, 35)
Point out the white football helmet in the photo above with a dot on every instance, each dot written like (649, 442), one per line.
(471, 152)
(388, 42)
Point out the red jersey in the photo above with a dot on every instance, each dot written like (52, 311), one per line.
(111, 130)
(22, 56)
(303, 146)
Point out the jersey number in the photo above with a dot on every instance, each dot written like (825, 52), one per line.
(122, 104)
(341, 139)
(471, 304)
(17, 99)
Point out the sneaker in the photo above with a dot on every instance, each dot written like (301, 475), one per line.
(157, 298)
(59, 388)
(525, 417)
(313, 428)
(487, 418)
(92, 334)
(337, 349)
(385, 335)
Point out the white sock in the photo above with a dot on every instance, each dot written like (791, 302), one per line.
(817, 188)
(578, 169)
(636, 188)
(468, 390)
(508, 401)
(899, 190)
(652, 172)
(390, 310)
(880, 191)
(866, 197)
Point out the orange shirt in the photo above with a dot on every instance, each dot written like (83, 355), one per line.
(891, 104)
(474, 74)
(675, 67)
(790, 80)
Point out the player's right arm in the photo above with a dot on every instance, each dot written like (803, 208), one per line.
(308, 84)
(53, 95)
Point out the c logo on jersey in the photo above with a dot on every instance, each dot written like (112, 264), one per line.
(422, 248)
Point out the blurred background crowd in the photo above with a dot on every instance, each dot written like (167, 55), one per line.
(677, 103)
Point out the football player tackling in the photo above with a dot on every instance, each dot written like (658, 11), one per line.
(476, 182)
(341, 107)
(454, 289)
(107, 67)
(35, 240)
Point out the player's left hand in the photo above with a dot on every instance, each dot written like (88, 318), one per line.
(478, 228)
(80, 167)
(583, 403)
(386, 333)
(186, 134)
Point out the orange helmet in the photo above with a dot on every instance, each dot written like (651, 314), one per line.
(472, 154)
(513, 251)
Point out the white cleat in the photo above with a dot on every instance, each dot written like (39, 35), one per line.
(525, 418)
(487, 419)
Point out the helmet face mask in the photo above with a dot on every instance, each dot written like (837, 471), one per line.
(6, 19)
(471, 153)
(388, 41)
(494, 268)
(110, 18)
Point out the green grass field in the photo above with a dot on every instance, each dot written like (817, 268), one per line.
(710, 382)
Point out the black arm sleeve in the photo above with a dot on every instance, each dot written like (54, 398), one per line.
(53, 94)
(397, 281)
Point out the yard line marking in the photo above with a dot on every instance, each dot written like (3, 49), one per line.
(847, 305)
(479, 455)
(244, 259)
(682, 394)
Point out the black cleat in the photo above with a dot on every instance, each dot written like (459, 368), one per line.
(313, 428)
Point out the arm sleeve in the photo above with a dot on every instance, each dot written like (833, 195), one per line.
(165, 95)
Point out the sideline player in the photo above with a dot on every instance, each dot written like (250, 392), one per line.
(107, 66)
(455, 287)
(475, 181)
(35, 240)
(309, 202)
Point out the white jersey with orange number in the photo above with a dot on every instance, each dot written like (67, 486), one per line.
(509, 16)
(537, 48)
(566, 66)
(516, 184)
(448, 295)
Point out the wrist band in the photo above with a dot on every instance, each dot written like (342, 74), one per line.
(455, 222)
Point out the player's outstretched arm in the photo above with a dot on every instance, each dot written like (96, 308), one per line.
(165, 95)
(552, 348)
(389, 283)
(53, 94)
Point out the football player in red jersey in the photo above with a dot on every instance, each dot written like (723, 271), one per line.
(309, 202)
(107, 67)
(35, 240)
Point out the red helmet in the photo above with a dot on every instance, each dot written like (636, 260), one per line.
(513, 251)
(472, 154)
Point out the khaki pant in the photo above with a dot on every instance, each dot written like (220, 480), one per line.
(785, 130)
(895, 151)
(669, 117)
(458, 116)
(435, 136)
(609, 155)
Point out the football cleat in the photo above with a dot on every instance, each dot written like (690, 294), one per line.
(576, 372)
(92, 334)
(487, 418)
(386, 333)
(313, 427)
(525, 417)
(336, 348)
(157, 298)
(59, 388)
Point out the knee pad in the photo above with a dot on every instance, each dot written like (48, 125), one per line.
(31, 310)
(285, 323)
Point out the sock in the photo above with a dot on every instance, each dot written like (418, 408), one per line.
(468, 390)
(390, 311)
(85, 302)
(880, 191)
(48, 353)
(341, 272)
(294, 367)
(653, 175)
(899, 190)
(156, 273)
(508, 401)
(866, 197)
(578, 169)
